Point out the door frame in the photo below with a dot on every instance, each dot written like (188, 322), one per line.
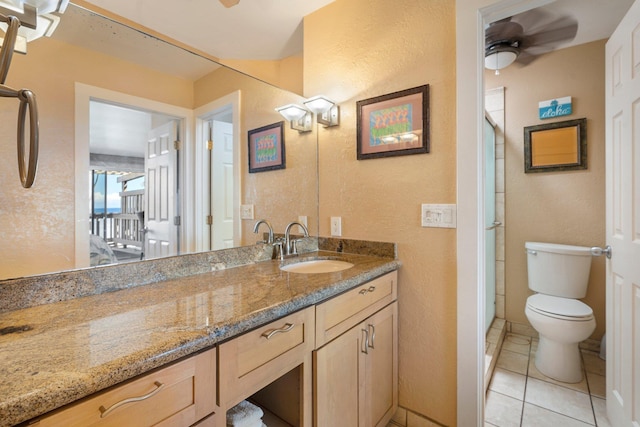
(203, 114)
(470, 18)
(83, 95)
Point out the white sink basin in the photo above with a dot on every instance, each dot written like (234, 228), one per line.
(317, 266)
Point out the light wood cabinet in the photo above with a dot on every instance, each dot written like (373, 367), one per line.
(340, 313)
(177, 395)
(356, 375)
(258, 358)
(333, 364)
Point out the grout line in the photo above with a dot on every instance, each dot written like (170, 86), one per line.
(526, 384)
(560, 413)
(586, 379)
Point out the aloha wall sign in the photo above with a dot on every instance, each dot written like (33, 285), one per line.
(555, 108)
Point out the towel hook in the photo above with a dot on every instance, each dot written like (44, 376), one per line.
(6, 52)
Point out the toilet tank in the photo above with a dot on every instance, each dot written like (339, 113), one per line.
(558, 270)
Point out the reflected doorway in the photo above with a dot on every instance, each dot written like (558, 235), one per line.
(134, 183)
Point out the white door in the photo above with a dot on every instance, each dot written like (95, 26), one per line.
(623, 220)
(222, 176)
(160, 213)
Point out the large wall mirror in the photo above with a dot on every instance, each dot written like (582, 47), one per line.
(112, 103)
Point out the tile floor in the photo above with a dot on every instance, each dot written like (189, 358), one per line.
(519, 395)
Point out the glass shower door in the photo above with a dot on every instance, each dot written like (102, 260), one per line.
(490, 224)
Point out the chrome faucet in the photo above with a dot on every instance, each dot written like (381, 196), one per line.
(290, 245)
(257, 226)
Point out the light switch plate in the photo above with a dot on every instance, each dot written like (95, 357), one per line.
(439, 216)
(302, 219)
(336, 226)
(246, 211)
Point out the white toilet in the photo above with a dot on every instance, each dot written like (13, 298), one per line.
(559, 274)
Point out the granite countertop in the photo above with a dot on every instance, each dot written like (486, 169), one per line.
(54, 354)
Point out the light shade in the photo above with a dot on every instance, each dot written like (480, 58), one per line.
(319, 104)
(35, 19)
(327, 112)
(500, 58)
(43, 6)
(300, 118)
(292, 111)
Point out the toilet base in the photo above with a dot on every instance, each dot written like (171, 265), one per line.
(560, 361)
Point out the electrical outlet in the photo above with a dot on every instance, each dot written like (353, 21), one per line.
(439, 216)
(336, 226)
(246, 211)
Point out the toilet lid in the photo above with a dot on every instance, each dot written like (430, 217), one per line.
(559, 307)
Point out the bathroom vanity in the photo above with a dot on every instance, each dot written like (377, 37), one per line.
(309, 348)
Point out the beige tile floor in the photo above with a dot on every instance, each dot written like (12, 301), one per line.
(519, 395)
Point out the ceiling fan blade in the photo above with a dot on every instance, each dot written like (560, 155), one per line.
(229, 3)
(502, 31)
(525, 58)
(562, 30)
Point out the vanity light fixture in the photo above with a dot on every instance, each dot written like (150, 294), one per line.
(327, 112)
(36, 19)
(300, 118)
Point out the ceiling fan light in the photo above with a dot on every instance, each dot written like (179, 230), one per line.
(499, 59)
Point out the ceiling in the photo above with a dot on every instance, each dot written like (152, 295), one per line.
(253, 29)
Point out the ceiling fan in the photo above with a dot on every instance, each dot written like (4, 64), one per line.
(229, 3)
(522, 37)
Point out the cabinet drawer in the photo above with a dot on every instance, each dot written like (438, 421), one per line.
(253, 360)
(177, 395)
(339, 314)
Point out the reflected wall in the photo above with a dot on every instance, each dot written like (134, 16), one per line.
(37, 226)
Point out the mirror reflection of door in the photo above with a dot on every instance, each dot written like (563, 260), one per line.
(222, 212)
(161, 216)
(119, 137)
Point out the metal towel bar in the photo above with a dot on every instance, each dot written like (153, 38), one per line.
(27, 170)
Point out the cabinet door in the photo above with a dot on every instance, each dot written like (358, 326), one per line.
(382, 366)
(339, 381)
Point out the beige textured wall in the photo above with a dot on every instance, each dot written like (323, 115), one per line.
(285, 73)
(280, 196)
(358, 49)
(36, 225)
(559, 207)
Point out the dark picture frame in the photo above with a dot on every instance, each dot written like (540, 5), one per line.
(553, 147)
(395, 124)
(266, 148)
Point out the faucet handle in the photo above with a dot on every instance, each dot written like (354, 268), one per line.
(278, 249)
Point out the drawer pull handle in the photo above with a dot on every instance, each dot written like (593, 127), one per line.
(365, 341)
(105, 412)
(371, 288)
(287, 328)
(372, 334)
(363, 291)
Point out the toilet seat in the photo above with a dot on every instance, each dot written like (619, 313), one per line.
(560, 308)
